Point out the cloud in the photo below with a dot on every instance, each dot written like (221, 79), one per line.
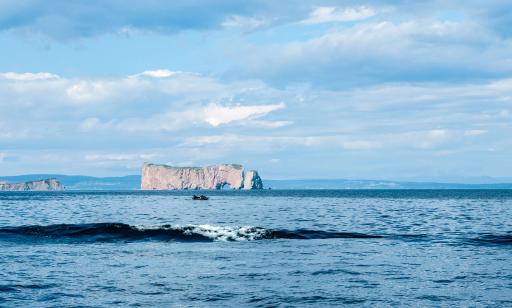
(70, 20)
(161, 73)
(233, 144)
(119, 157)
(216, 115)
(3, 156)
(385, 51)
(475, 132)
(244, 22)
(495, 14)
(414, 139)
(438, 133)
(152, 83)
(85, 91)
(28, 76)
(203, 119)
(381, 86)
(360, 145)
(212, 114)
(90, 123)
(65, 20)
(332, 14)
(266, 124)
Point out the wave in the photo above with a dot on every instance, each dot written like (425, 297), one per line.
(492, 239)
(110, 232)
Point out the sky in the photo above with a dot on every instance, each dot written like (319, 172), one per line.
(294, 89)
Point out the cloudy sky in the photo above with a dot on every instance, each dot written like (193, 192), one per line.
(295, 89)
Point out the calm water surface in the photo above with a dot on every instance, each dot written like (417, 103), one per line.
(266, 248)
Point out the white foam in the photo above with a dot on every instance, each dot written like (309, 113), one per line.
(221, 233)
(216, 233)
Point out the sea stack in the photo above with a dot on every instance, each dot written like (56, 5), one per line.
(41, 185)
(252, 180)
(163, 177)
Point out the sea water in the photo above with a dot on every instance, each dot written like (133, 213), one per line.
(315, 248)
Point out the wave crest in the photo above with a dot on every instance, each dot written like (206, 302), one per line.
(108, 232)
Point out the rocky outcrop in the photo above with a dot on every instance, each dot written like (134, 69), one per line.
(42, 185)
(252, 180)
(163, 177)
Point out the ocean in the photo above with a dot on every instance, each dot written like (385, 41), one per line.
(271, 248)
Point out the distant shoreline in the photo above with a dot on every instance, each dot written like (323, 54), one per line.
(132, 183)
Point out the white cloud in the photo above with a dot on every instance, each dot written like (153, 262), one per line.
(244, 22)
(438, 133)
(262, 142)
(208, 120)
(475, 132)
(267, 124)
(360, 145)
(90, 123)
(212, 114)
(332, 14)
(28, 76)
(424, 140)
(85, 91)
(385, 51)
(216, 115)
(250, 141)
(119, 157)
(160, 73)
(206, 140)
(16, 133)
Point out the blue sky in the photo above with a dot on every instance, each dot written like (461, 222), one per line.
(295, 89)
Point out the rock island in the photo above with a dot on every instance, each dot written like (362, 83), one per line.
(163, 177)
(42, 185)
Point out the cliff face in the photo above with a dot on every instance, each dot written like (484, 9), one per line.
(252, 180)
(163, 177)
(42, 185)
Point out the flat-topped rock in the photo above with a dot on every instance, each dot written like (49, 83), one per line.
(163, 177)
(41, 185)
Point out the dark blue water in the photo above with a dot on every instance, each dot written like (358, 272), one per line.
(267, 248)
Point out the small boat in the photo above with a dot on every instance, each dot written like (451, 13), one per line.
(201, 197)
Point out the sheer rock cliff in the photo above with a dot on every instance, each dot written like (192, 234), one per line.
(163, 177)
